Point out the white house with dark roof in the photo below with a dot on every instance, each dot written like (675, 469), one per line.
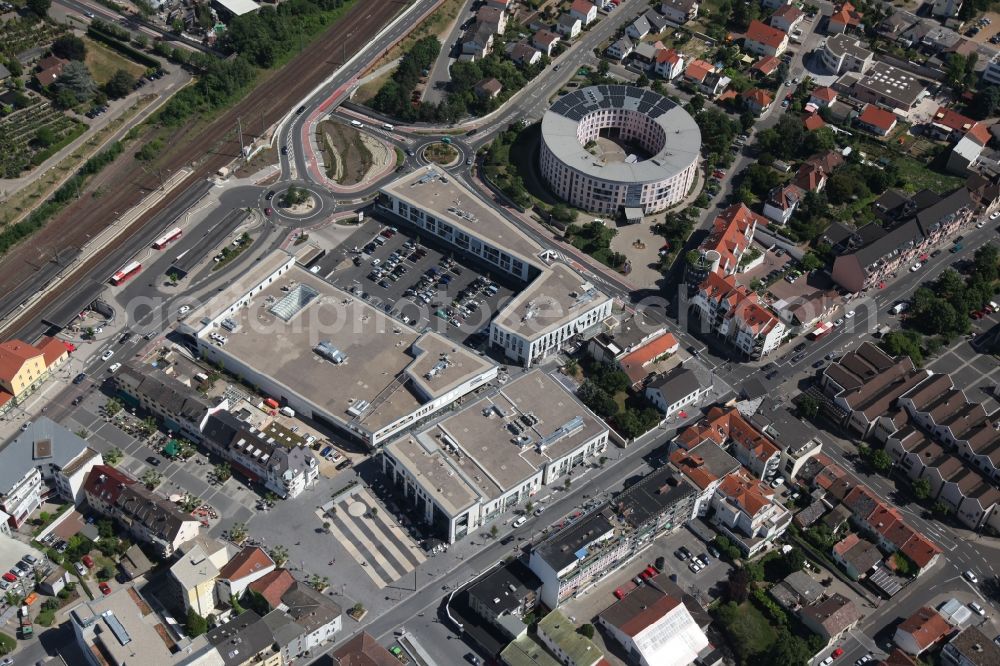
(681, 387)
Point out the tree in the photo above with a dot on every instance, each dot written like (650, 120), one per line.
(903, 343)
(75, 80)
(986, 102)
(793, 560)
(113, 456)
(238, 533)
(112, 406)
(494, 531)
(69, 47)
(808, 406)
(738, 585)
(373, 512)
(119, 85)
(196, 625)
(603, 67)
(922, 489)
(586, 630)
(222, 472)
(880, 461)
(280, 555)
(529, 507)
(811, 261)
(105, 528)
(151, 479)
(789, 650)
(148, 426)
(39, 8)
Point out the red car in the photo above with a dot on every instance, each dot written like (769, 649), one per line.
(619, 593)
(88, 561)
(9, 577)
(105, 588)
(836, 653)
(267, 211)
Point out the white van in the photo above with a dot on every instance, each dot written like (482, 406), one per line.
(288, 411)
(387, 126)
(357, 123)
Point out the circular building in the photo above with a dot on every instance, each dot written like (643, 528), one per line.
(610, 147)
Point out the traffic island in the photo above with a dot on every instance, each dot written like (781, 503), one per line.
(297, 200)
(441, 153)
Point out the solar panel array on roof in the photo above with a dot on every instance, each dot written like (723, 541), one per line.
(578, 104)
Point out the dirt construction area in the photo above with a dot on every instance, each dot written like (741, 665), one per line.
(350, 155)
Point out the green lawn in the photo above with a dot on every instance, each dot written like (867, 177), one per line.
(103, 62)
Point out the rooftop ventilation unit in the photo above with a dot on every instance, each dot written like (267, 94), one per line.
(358, 408)
(329, 352)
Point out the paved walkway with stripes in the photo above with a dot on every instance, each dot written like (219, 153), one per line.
(384, 551)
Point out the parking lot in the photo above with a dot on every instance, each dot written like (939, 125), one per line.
(703, 585)
(421, 284)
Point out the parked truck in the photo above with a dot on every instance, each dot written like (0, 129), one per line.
(26, 629)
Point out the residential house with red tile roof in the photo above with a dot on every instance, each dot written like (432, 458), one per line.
(887, 526)
(762, 39)
(782, 201)
(668, 63)
(876, 120)
(856, 555)
(363, 650)
(735, 314)
(948, 124)
(786, 18)
(922, 630)
(697, 70)
(765, 66)
(584, 10)
(250, 564)
(845, 17)
(25, 367)
(747, 513)
(813, 122)
(638, 364)
(731, 236)
(823, 96)
(728, 428)
(273, 585)
(757, 100)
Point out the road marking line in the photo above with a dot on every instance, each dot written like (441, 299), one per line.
(353, 552)
(351, 525)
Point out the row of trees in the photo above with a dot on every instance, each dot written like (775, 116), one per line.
(394, 98)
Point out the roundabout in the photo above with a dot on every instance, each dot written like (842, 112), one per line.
(440, 153)
(295, 203)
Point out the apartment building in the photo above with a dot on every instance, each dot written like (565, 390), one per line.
(864, 385)
(577, 557)
(181, 409)
(731, 236)
(24, 368)
(148, 517)
(845, 53)
(747, 511)
(735, 314)
(43, 462)
(274, 457)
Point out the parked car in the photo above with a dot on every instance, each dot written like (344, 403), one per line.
(521, 520)
(104, 587)
(79, 379)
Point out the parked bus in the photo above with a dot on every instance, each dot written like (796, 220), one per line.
(167, 238)
(126, 272)
(820, 331)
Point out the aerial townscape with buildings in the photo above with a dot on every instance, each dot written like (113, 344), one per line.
(499, 332)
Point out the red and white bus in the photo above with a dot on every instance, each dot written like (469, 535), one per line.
(820, 331)
(127, 271)
(167, 238)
